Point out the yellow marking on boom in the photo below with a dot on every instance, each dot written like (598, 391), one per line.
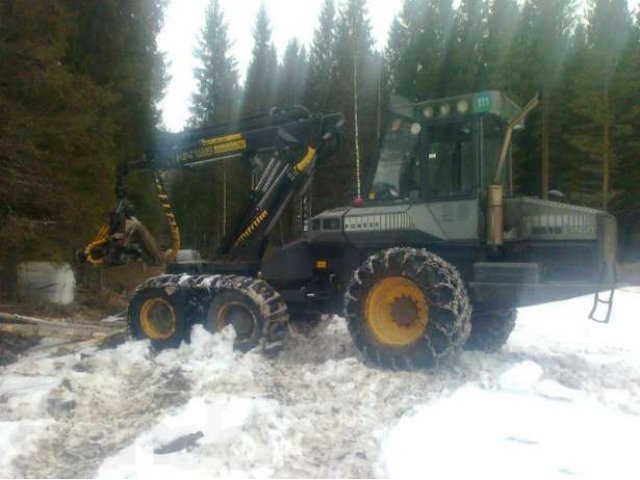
(213, 149)
(303, 164)
(171, 219)
(213, 146)
(223, 139)
(254, 225)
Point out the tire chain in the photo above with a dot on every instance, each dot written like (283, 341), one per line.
(199, 290)
(456, 332)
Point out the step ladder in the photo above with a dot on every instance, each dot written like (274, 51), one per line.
(597, 300)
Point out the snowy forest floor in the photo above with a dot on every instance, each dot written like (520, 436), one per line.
(560, 400)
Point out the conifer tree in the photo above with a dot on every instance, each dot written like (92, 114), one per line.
(501, 25)
(402, 55)
(535, 63)
(356, 80)
(204, 199)
(56, 137)
(467, 62)
(322, 61)
(609, 27)
(115, 44)
(625, 204)
(567, 172)
(420, 49)
(319, 82)
(261, 84)
(216, 97)
(292, 75)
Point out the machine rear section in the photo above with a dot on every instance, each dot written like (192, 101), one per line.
(225, 290)
(551, 251)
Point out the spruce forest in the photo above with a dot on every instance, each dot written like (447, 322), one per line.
(80, 85)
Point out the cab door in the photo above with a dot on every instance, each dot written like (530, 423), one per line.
(448, 162)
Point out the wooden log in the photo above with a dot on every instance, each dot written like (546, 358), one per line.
(15, 318)
(26, 330)
(74, 345)
(57, 331)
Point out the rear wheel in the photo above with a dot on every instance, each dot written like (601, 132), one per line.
(407, 308)
(257, 313)
(232, 308)
(491, 330)
(157, 316)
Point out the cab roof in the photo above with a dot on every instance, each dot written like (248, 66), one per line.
(487, 102)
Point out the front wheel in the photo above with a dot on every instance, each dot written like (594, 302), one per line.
(407, 308)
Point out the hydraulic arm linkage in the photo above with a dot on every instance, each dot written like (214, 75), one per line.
(292, 140)
(299, 145)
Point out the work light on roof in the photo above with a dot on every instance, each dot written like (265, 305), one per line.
(427, 112)
(462, 106)
(445, 109)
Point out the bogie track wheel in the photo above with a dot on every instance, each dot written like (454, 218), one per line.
(407, 308)
(159, 317)
(258, 314)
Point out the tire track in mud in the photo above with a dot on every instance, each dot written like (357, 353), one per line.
(97, 414)
(104, 399)
(331, 408)
(334, 405)
(331, 404)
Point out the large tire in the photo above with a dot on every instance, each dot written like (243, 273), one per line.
(156, 315)
(257, 312)
(491, 330)
(180, 300)
(407, 308)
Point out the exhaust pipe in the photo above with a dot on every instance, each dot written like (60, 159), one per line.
(495, 215)
(495, 191)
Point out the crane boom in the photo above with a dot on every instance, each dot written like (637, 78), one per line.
(293, 140)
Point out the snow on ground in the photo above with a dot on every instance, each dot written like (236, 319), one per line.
(561, 400)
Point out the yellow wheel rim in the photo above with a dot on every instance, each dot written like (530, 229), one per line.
(158, 319)
(238, 315)
(396, 312)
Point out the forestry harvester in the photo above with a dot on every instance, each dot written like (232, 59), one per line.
(436, 258)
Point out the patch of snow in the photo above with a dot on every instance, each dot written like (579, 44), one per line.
(478, 433)
(561, 398)
(564, 327)
(554, 391)
(236, 438)
(522, 378)
(16, 438)
(24, 395)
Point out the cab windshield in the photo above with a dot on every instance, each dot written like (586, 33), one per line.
(394, 164)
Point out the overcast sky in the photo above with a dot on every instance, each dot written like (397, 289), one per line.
(289, 19)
